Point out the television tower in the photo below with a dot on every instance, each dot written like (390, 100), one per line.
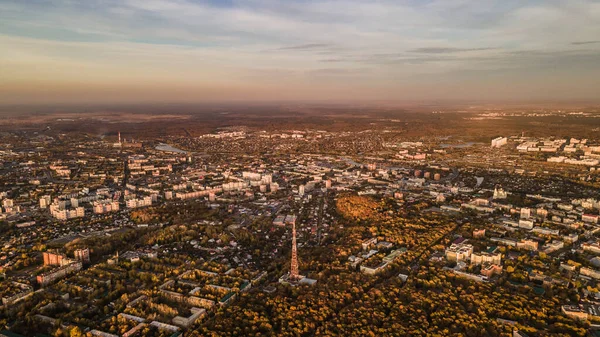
(119, 137)
(294, 276)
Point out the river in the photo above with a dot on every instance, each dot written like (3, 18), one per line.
(168, 148)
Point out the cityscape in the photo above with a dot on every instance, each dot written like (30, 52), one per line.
(391, 227)
(187, 168)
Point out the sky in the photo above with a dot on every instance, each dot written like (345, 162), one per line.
(138, 51)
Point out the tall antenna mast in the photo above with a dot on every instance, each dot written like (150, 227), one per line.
(294, 271)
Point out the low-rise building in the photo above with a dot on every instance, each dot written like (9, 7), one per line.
(590, 218)
(528, 244)
(61, 272)
(592, 246)
(368, 243)
(581, 311)
(485, 257)
(479, 233)
(593, 273)
(553, 246)
(546, 231)
(490, 269)
(459, 252)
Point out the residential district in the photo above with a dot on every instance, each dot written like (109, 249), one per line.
(298, 232)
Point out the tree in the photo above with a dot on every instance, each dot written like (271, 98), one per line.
(75, 332)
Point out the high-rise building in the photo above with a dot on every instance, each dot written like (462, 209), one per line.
(82, 255)
(500, 141)
(525, 213)
(52, 259)
(45, 201)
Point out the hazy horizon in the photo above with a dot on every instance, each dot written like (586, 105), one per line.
(132, 51)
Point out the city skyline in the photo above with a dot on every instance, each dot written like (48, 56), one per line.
(198, 51)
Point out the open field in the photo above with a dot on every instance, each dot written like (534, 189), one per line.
(146, 122)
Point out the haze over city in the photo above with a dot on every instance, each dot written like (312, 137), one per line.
(61, 51)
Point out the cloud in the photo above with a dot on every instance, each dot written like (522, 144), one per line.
(336, 71)
(445, 50)
(308, 46)
(376, 42)
(579, 43)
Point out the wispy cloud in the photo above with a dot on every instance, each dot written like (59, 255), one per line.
(308, 46)
(445, 50)
(580, 43)
(380, 43)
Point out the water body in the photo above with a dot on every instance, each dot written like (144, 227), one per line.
(351, 162)
(459, 146)
(168, 148)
